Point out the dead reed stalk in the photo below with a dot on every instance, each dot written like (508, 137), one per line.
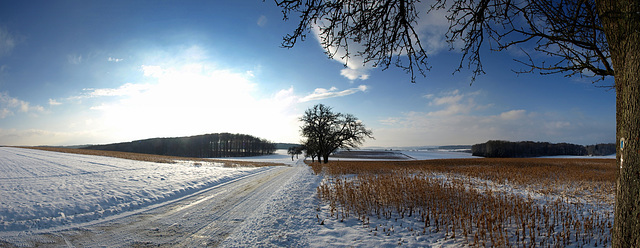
(464, 197)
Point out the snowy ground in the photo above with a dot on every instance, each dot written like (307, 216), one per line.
(296, 218)
(66, 200)
(279, 157)
(436, 154)
(41, 190)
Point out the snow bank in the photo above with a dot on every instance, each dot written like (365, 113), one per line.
(41, 190)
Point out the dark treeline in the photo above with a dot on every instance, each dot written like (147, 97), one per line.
(601, 149)
(215, 145)
(508, 149)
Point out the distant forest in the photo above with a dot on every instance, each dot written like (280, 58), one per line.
(508, 149)
(215, 145)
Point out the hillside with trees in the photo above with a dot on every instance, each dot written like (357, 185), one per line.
(508, 149)
(214, 145)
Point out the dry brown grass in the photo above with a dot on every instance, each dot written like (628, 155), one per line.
(463, 198)
(153, 158)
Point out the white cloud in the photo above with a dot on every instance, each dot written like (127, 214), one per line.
(127, 89)
(36, 108)
(450, 99)
(454, 103)
(5, 113)
(287, 97)
(431, 28)
(10, 104)
(112, 59)
(53, 102)
(355, 66)
(513, 114)
(321, 93)
(361, 73)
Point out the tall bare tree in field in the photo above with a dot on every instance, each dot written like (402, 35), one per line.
(326, 131)
(581, 37)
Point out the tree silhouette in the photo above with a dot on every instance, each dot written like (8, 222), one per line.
(295, 151)
(327, 131)
(581, 37)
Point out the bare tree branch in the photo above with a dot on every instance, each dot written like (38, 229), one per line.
(568, 32)
(379, 32)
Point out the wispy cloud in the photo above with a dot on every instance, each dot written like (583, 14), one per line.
(454, 103)
(517, 114)
(321, 93)
(432, 28)
(458, 117)
(53, 102)
(262, 21)
(355, 66)
(355, 71)
(74, 59)
(112, 59)
(127, 89)
(7, 42)
(5, 112)
(10, 104)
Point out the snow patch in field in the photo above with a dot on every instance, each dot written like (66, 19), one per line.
(280, 156)
(438, 154)
(42, 190)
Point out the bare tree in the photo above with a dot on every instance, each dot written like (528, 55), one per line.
(291, 151)
(327, 131)
(310, 148)
(581, 37)
(295, 151)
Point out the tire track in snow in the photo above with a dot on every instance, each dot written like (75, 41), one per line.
(200, 220)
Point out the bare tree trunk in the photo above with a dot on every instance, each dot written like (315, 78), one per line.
(621, 22)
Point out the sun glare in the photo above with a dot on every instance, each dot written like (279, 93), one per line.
(197, 98)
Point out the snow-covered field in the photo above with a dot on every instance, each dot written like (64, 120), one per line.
(48, 194)
(279, 157)
(40, 190)
(436, 154)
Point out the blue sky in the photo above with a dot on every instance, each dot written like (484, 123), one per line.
(80, 72)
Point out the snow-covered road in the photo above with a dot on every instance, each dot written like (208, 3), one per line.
(204, 219)
(230, 203)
